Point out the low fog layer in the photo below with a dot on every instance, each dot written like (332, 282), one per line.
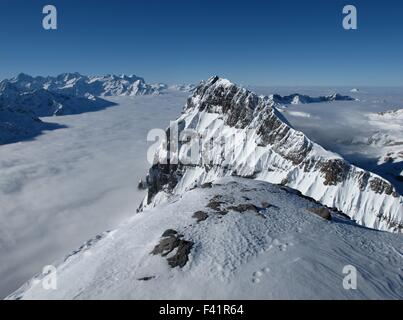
(70, 184)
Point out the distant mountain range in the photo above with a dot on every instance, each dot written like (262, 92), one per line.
(78, 85)
(24, 99)
(297, 98)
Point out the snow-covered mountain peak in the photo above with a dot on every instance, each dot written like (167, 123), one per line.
(266, 148)
(23, 77)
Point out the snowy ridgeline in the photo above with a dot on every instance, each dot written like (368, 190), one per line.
(26, 98)
(236, 238)
(268, 149)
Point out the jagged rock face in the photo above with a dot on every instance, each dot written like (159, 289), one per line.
(265, 147)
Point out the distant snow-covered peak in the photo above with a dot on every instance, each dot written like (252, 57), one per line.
(76, 84)
(182, 87)
(297, 98)
(391, 115)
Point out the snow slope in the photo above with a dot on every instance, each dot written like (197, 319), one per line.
(60, 189)
(17, 124)
(266, 148)
(254, 240)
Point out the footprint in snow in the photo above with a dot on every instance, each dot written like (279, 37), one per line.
(279, 245)
(255, 280)
(257, 275)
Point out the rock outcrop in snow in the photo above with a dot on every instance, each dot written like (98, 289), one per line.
(265, 147)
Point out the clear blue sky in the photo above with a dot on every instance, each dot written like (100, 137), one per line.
(254, 42)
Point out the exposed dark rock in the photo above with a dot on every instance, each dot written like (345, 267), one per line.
(248, 189)
(284, 182)
(266, 205)
(166, 245)
(322, 212)
(380, 186)
(276, 132)
(146, 278)
(200, 216)
(216, 203)
(237, 103)
(363, 180)
(392, 224)
(141, 185)
(206, 185)
(308, 165)
(334, 171)
(250, 176)
(169, 232)
(181, 257)
(170, 243)
(244, 207)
